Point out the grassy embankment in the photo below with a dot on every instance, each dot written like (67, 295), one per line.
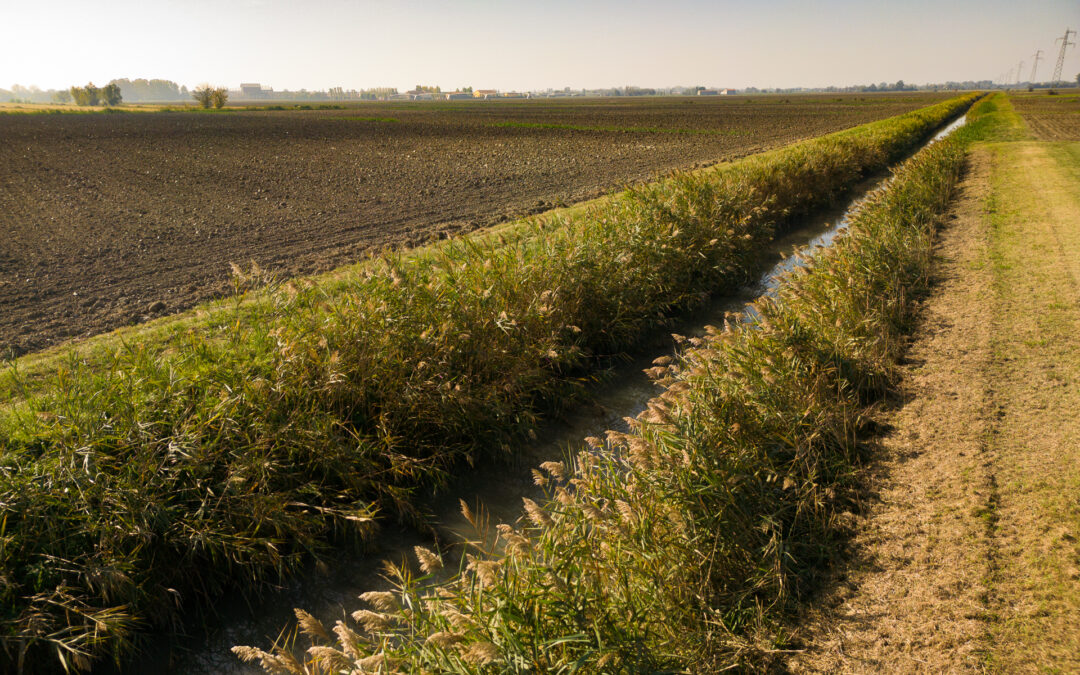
(679, 547)
(157, 466)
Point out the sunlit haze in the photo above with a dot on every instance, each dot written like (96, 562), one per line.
(529, 45)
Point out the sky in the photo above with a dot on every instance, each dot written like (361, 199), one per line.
(520, 45)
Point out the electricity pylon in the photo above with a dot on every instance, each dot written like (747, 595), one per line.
(1038, 57)
(1065, 44)
(1019, 68)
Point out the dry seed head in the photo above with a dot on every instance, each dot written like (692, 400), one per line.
(444, 639)
(615, 438)
(592, 513)
(374, 663)
(456, 619)
(311, 626)
(594, 442)
(328, 657)
(556, 469)
(536, 514)
(678, 387)
(430, 562)
(384, 601)
(487, 571)
(481, 653)
(625, 510)
(662, 361)
(641, 451)
(647, 415)
(539, 478)
(249, 654)
(517, 543)
(349, 640)
(467, 512)
(371, 621)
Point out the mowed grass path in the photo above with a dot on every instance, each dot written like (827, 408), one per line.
(968, 560)
(1033, 217)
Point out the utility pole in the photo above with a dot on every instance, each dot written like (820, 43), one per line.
(1019, 68)
(1038, 57)
(1065, 44)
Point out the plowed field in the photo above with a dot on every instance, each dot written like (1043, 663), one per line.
(107, 220)
(1050, 118)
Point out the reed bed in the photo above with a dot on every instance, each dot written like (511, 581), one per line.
(143, 477)
(681, 545)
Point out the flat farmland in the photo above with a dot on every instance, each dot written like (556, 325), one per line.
(1050, 118)
(110, 219)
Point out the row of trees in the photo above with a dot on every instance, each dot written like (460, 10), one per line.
(141, 89)
(91, 95)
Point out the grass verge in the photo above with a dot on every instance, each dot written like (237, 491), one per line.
(626, 130)
(679, 546)
(154, 469)
(1034, 589)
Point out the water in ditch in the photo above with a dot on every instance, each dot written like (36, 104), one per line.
(331, 594)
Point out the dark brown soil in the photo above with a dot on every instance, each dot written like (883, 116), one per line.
(1050, 118)
(109, 219)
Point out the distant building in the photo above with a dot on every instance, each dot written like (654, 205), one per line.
(715, 92)
(485, 93)
(251, 90)
(458, 96)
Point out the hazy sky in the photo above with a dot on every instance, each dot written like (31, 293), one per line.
(528, 45)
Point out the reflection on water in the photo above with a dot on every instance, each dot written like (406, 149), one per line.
(624, 392)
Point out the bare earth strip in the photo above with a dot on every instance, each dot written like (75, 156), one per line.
(968, 559)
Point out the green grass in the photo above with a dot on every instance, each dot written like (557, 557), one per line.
(624, 130)
(73, 110)
(224, 448)
(682, 545)
(369, 119)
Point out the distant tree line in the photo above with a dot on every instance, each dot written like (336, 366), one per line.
(141, 90)
(90, 95)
